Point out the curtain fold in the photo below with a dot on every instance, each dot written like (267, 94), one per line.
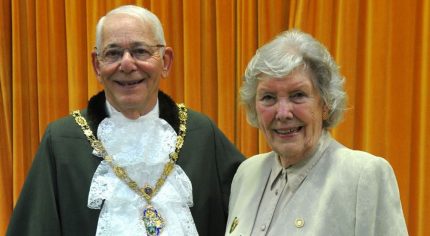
(225, 31)
(77, 53)
(173, 22)
(6, 179)
(193, 22)
(25, 112)
(419, 193)
(247, 43)
(382, 48)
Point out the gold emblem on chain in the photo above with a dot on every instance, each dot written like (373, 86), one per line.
(154, 222)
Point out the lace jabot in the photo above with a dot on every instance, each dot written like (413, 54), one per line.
(142, 147)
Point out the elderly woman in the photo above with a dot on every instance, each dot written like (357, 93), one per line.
(309, 184)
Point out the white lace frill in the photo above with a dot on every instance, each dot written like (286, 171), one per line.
(142, 147)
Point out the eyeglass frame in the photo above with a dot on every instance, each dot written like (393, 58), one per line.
(101, 57)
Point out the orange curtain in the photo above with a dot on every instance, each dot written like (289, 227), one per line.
(382, 47)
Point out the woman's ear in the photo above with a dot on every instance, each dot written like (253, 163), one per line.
(167, 61)
(325, 113)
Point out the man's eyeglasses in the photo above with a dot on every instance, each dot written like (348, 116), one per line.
(115, 54)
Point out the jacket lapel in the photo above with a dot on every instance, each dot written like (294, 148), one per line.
(250, 202)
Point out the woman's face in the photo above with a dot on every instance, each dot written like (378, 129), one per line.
(290, 113)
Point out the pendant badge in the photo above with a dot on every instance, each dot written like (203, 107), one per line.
(154, 223)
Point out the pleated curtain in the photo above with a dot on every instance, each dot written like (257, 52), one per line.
(382, 48)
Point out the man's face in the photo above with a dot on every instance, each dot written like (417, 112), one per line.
(129, 65)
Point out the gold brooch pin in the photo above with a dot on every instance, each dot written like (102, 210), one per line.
(234, 224)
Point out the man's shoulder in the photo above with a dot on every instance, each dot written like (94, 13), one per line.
(197, 115)
(65, 126)
(198, 120)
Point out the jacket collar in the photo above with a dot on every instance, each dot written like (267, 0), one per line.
(97, 110)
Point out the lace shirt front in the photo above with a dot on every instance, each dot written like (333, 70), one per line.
(142, 147)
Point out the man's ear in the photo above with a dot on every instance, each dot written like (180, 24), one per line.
(167, 61)
(96, 64)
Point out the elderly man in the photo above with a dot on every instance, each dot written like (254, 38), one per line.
(134, 162)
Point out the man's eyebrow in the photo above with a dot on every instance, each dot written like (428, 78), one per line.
(112, 45)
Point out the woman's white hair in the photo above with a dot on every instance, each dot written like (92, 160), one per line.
(278, 58)
(136, 11)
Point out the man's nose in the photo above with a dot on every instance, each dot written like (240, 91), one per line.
(127, 63)
(284, 110)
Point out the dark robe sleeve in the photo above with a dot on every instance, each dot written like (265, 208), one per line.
(228, 159)
(53, 200)
(36, 210)
(210, 161)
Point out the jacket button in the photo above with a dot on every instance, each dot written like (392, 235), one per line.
(300, 222)
(263, 227)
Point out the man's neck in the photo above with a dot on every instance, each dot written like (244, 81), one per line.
(131, 114)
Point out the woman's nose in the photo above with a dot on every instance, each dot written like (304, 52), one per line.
(284, 110)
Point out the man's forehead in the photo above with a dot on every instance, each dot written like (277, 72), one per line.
(123, 28)
(123, 15)
(120, 20)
